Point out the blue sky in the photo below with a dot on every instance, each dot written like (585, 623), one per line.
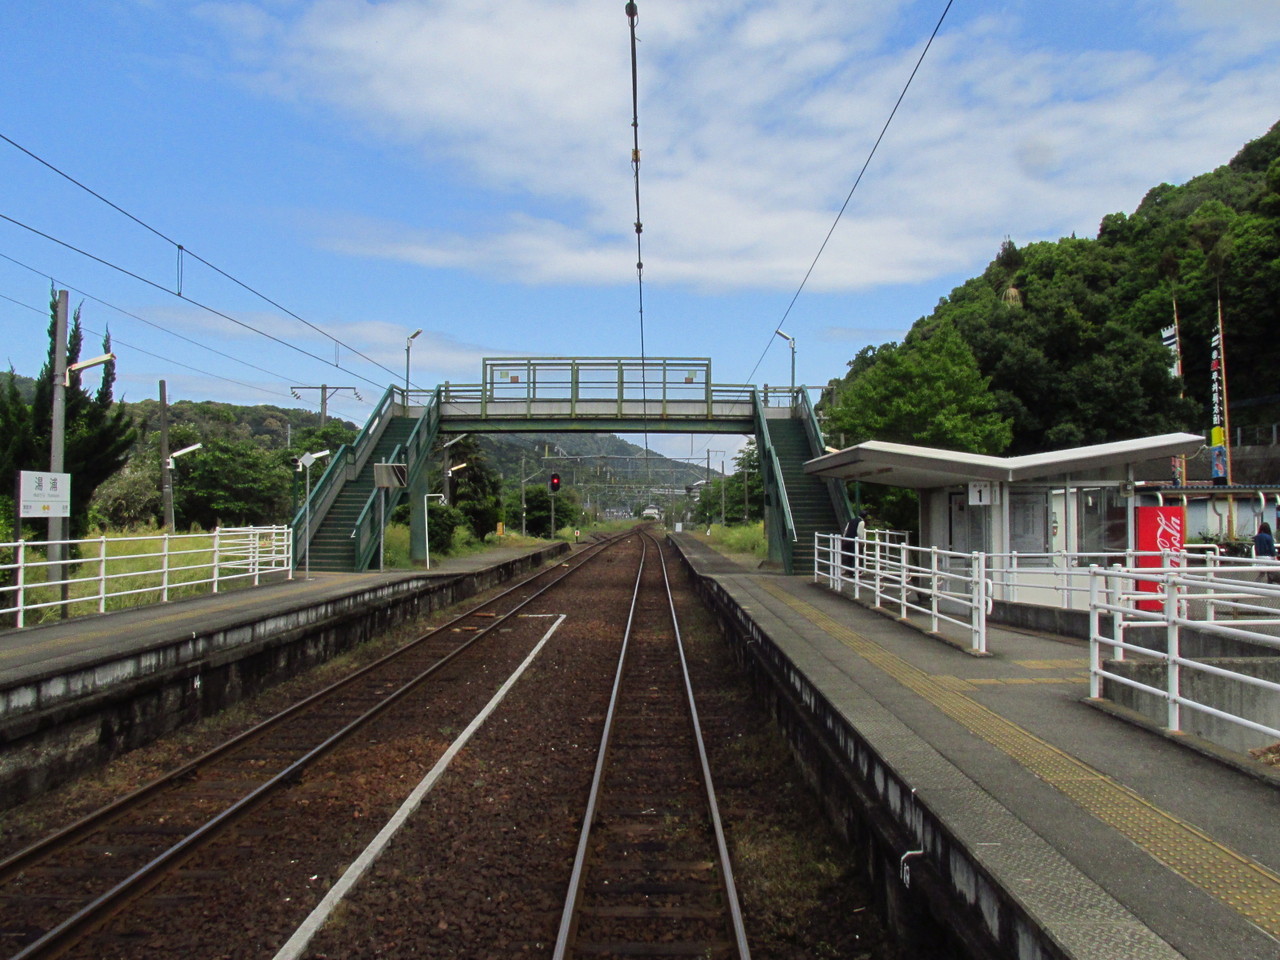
(464, 166)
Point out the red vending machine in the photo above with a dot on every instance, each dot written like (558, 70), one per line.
(1159, 529)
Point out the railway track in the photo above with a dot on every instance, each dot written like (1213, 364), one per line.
(58, 891)
(652, 875)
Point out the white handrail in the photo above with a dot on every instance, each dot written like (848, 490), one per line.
(1188, 601)
(128, 570)
(943, 585)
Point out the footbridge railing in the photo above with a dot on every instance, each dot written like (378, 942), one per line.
(655, 390)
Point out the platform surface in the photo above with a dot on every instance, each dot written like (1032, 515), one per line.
(1190, 847)
(79, 641)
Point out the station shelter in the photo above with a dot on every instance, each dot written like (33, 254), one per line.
(1065, 502)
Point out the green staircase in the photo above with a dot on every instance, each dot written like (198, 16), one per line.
(812, 510)
(333, 547)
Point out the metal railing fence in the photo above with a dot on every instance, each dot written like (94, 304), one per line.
(1162, 606)
(942, 585)
(1061, 577)
(104, 573)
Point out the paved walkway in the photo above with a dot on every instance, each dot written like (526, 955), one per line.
(1134, 825)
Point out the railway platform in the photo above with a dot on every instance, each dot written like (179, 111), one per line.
(74, 692)
(1022, 815)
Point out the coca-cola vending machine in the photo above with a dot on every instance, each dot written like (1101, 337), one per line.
(1159, 529)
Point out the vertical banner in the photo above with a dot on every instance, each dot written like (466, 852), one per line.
(1159, 529)
(1218, 434)
(1173, 343)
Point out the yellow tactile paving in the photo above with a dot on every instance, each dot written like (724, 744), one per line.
(1077, 664)
(994, 681)
(1244, 885)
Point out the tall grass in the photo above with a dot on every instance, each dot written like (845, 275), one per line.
(747, 538)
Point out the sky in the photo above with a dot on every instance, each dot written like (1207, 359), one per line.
(354, 171)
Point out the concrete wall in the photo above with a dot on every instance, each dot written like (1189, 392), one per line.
(57, 726)
(1222, 693)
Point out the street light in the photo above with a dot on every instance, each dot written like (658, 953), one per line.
(168, 480)
(84, 365)
(426, 521)
(305, 461)
(408, 347)
(792, 341)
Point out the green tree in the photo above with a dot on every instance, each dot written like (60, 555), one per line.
(231, 482)
(928, 391)
(98, 432)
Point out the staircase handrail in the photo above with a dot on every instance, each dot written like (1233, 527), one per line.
(413, 451)
(772, 470)
(836, 488)
(323, 494)
(365, 532)
(336, 474)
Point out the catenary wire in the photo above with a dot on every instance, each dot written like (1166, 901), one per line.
(177, 363)
(184, 252)
(866, 163)
(150, 323)
(194, 303)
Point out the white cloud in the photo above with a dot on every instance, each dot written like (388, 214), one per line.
(753, 128)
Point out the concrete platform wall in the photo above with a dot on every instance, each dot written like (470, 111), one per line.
(64, 722)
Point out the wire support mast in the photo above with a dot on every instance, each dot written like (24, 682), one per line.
(632, 16)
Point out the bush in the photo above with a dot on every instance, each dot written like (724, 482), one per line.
(442, 521)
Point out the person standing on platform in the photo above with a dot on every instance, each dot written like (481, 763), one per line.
(1264, 548)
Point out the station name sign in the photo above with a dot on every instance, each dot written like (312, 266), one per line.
(44, 494)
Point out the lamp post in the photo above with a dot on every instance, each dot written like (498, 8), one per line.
(168, 480)
(408, 349)
(305, 461)
(426, 521)
(792, 342)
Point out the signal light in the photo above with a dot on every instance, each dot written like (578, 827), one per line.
(555, 482)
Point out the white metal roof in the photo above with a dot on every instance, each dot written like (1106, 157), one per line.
(905, 465)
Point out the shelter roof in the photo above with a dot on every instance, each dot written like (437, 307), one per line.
(905, 465)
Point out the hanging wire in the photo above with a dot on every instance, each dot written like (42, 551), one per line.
(632, 17)
(883, 130)
(182, 252)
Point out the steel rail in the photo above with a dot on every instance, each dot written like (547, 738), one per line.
(97, 911)
(577, 877)
(19, 860)
(569, 916)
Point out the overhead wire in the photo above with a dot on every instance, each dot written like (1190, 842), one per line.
(177, 363)
(195, 303)
(151, 323)
(183, 252)
(866, 163)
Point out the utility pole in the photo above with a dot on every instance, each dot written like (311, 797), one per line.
(58, 429)
(166, 476)
(326, 392)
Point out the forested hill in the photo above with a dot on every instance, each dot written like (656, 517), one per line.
(1058, 343)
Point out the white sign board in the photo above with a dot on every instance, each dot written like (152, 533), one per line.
(983, 493)
(44, 494)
